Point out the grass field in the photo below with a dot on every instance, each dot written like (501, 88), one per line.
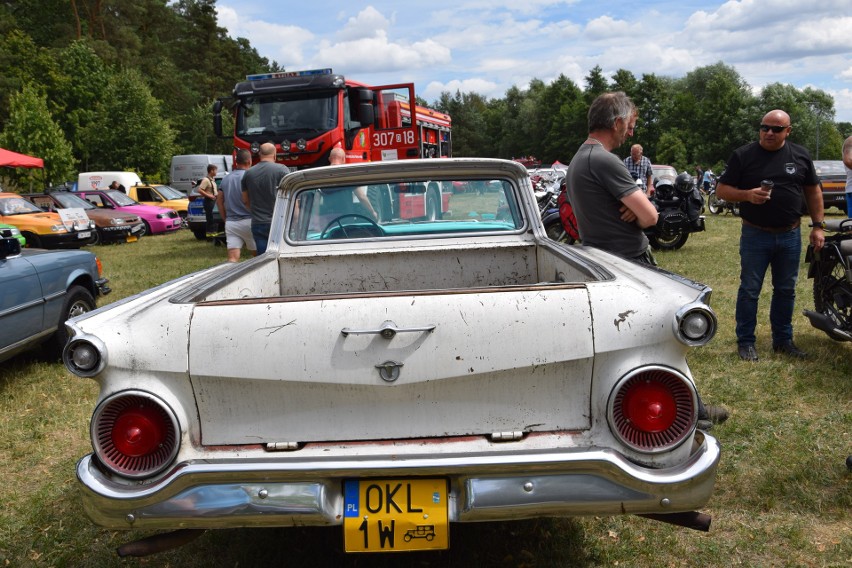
(783, 495)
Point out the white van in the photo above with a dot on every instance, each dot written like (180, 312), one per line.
(189, 168)
(102, 180)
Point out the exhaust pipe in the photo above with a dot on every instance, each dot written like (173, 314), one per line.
(158, 543)
(824, 323)
(689, 519)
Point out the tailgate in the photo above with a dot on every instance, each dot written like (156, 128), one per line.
(278, 370)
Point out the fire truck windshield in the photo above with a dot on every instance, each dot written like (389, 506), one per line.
(300, 114)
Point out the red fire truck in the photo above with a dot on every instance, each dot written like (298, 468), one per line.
(307, 113)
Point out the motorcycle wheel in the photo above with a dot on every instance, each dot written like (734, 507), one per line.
(671, 242)
(556, 232)
(832, 293)
(713, 204)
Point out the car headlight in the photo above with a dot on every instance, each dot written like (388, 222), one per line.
(116, 221)
(162, 215)
(60, 228)
(695, 324)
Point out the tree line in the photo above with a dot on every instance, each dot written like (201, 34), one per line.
(125, 84)
(695, 120)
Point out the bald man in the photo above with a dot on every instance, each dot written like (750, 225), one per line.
(259, 185)
(771, 216)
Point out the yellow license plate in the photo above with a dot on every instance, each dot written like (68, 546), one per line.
(388, 515)
(132, 238)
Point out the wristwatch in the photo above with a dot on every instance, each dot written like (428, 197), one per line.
(818, 224)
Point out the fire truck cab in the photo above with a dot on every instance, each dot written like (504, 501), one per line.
(307, 113)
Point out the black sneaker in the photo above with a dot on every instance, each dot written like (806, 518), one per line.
(747, 353)
(790, 349)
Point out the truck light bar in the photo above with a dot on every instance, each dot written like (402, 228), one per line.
(286, 74)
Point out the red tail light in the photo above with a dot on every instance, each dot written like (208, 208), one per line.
(653, 409)
(134, 434)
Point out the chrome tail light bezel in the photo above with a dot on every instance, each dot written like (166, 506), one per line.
(104, 419)
(683, 396)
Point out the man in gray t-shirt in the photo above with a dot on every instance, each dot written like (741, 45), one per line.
(611, 209)
(260, 185)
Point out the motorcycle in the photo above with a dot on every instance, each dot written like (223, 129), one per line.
(831, 270)
(679, 206)
(717, 205)
(546, 185)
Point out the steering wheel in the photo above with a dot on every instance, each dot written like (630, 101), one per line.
(337, 221)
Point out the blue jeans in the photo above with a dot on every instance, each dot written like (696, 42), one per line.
(260, 232)
(760, 250)
(849, 204)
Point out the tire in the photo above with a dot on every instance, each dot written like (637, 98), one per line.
(33, 241)
(658, 242)
(433, 206)
(78, 301)
(146, 229)
(96, 238)
(556, 232)
(832, 293)
(713, 204)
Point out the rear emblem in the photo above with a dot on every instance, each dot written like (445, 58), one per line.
(389, 370)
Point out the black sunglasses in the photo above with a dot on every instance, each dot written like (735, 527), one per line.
(775, 129)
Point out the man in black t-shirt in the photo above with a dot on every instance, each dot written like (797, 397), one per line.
(771, 215)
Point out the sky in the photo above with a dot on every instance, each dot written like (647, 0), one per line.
(488, 46)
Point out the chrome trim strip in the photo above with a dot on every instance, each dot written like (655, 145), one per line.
(287, 491)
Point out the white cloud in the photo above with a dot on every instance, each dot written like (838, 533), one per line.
(282, 43)
(483, 87)
(607, 28)
(368, 23)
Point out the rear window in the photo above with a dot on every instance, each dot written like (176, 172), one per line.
(412, 209)
(829, 167)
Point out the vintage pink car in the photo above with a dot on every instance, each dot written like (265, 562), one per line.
(156, 219)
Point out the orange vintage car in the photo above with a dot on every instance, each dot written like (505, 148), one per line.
(44, 229)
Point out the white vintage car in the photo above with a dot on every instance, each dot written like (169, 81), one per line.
(393, 374)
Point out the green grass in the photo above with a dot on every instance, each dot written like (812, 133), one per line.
(782, 498)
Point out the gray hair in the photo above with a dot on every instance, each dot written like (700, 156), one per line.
(607, 108)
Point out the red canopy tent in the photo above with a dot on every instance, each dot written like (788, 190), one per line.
(14, 160)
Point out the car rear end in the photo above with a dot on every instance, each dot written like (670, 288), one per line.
(304, 420)
(832, 182)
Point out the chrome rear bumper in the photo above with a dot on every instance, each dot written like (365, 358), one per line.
(287, 492)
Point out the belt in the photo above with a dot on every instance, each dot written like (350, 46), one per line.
(774, 229)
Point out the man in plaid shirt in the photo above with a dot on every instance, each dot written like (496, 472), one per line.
(639, 167)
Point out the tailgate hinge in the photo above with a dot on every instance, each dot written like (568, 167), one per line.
(506, 436)
(281, 446)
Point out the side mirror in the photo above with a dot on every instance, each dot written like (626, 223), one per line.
(366, 114)
(9, 246)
